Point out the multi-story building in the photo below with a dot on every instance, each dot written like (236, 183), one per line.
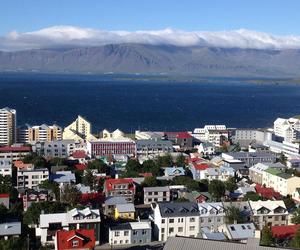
(171, 219)
(212, 215)
(256, 172)
(250, 158)
(78, 130)
(29, 178)
(51, 149)
(8, 126)
(125, 211)
(130, 233)
(287, 148)
(281, 182)
(42, 133)
(148, 135)
(287, 129)
(5, 167)
(120, 188)
(86, 218)
(14, 152)
(111, 146)
(153, 146)
(215, 134)
(156, 194)
(110, 205)
(244, 137)
(271, 213)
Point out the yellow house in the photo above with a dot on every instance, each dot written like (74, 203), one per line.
(125, 211)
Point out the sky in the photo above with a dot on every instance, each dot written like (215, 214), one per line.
(259, 24)
(278, 17)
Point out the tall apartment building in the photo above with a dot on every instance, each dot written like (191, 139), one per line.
(288, 129)
(44, 132)
(214, 134)
(8, 126)
(80, 129)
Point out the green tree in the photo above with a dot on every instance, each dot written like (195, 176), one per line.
(150, 182)
(89, 179)
(289, 203)
(180, 161)
(190, 184)
(296, 216)
(266, 236)
(57, 161)
(216, 188)
(99, 165)
(3, 212)
(53, 186)
(252, 196)
(150, 166)
(234, 215)
(230, 184)
(164, 161)
(70, 195)
(282, 158)
(295, 243)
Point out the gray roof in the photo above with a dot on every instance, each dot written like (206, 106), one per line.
(111, 200)
(182, 243)
(63, 177)
(241, 231)
(178, 209)
(10, 228)
(153, 143)
(156, 189)
(207, 234)
(124, 226)
(251, 154)
(123, 208)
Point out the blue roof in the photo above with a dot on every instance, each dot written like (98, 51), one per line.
(63, 177)
(175, 171)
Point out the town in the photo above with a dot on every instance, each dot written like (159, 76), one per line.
(214, 186)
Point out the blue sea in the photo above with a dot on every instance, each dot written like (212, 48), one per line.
(131, 103)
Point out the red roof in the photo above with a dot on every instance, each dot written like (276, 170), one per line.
(85, 238)
(268, 193)
(79, 154)
(80, 166)
(284, 231)
(183, 135)
(146, 174)
(110, 182)
(6, 149)
(201, 166)
(4, 195)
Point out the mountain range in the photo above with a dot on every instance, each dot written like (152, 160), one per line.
(156, 59)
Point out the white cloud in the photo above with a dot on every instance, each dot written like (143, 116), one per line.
(58, 36)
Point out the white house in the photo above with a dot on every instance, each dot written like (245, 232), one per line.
(130, 233)
(212, 215)
(170, 219)
(271, 213)
(29, 178)
(74, 219)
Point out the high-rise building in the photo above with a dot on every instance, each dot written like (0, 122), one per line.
(40, 133)
(80, 129)
(288, 129)
(8, 125)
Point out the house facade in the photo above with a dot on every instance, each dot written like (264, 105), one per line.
(172, 219)
(156, 194)
(212, 215)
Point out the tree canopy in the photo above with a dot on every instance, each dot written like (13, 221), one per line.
(234, 215)
(266, 236)
(230, 184)
(216, 188)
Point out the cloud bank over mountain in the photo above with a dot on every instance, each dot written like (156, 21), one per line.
(69, 36)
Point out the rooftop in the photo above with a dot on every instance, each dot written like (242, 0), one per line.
(183, 209)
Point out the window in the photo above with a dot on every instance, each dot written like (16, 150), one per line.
(134, 232)
(75, 243)
(192, 219)
(180, 229)
(117, 233)
(232, 228)
(115, 242)
(144, 232)
(243, 227)
(126, 233)
(162, 230)
(192, 228)
(283, 217)
(171, 221)
(155, 193)
(121, 241)
(163, 221)
(171, 230)
(126, 241)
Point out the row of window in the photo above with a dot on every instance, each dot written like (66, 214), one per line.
(179, 220)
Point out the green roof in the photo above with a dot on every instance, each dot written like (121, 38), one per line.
(273, 171)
